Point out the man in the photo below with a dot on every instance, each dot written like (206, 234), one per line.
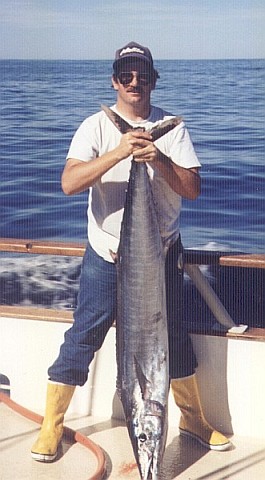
(99, 159)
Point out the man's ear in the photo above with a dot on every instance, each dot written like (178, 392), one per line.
(114, 82)
(153, 84)
(154, 79)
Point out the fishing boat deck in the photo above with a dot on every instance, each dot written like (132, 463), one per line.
(233, 402)
(231, 380)
(184, 459)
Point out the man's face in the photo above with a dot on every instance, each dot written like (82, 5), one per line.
(134, 81)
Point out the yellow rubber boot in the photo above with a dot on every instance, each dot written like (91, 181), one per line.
(192, 421)
(57, 402)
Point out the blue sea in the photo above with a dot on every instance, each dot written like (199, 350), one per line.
(222, 103)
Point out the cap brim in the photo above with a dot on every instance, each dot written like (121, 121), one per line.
(131, 58)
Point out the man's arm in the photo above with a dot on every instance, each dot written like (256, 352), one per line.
(185, 182)
(78, 176)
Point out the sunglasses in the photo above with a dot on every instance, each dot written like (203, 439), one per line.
(143, 79)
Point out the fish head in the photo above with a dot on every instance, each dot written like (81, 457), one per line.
(149, 435)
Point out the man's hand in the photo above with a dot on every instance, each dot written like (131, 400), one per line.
(185, 182)
(148, 153)
(137, 143)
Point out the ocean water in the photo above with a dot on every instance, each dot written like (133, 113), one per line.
(43, 103)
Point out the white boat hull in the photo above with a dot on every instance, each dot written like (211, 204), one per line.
(230, 374)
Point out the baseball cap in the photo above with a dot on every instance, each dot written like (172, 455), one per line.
(133, 50)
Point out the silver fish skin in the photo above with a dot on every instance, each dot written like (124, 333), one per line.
(141, 325)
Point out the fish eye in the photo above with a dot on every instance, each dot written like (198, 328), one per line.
(142, 437)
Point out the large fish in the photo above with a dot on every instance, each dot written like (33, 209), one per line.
(142, 342)
(141, 324)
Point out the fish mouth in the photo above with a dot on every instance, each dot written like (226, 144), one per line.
(148, 438)
(149, 453)
(148, 464)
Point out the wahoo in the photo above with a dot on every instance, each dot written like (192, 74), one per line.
(141, 323)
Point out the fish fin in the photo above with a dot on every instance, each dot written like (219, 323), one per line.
(164, 127)
(143, 381)
(118, 121)
(114, 256)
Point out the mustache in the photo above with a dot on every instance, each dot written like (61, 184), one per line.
(136, 89)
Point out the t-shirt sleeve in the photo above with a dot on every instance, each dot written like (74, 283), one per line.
(84, 142)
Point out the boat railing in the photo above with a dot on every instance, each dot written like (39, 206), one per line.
(193, 260)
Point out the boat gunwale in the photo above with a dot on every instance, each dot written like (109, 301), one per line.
(192, 257)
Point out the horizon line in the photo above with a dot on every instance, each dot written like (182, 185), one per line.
(109, 59)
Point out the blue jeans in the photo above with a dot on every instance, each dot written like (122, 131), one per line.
(182, 359)
(96, 312)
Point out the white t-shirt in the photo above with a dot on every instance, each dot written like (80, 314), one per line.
(98, 135)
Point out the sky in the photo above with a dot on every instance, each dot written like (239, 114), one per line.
(95, 29)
